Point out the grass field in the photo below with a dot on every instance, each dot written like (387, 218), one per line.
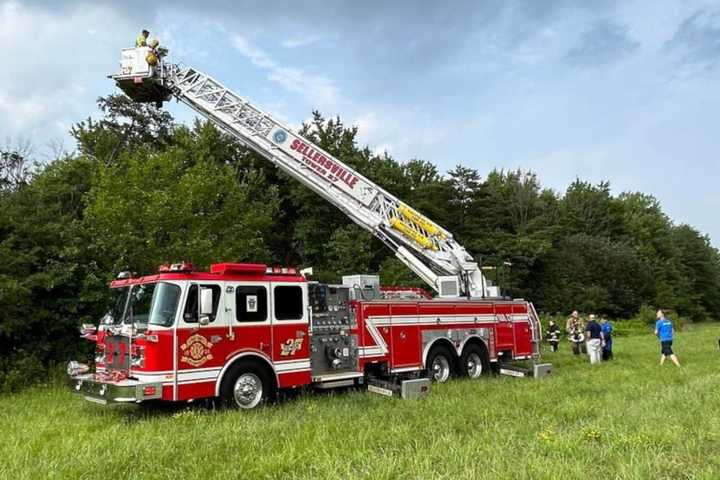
(626, 419)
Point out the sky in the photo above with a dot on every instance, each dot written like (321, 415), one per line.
(623, 91)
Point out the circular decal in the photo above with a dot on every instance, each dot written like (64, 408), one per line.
(279, 136)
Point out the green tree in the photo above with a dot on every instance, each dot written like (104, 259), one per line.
(592, 274)
(592, 210)
(153, 207)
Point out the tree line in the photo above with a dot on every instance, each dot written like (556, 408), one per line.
(141, 190)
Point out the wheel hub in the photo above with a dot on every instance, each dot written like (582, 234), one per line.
(474, 365)
(440, 369)
(247, 391)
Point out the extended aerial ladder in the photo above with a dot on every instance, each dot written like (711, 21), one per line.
(422, 245)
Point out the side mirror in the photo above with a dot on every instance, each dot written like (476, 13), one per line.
(206, 305)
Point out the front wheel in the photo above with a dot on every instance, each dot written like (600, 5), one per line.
(247, 386)
(439, 365)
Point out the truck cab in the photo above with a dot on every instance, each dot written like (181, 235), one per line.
(176, 335)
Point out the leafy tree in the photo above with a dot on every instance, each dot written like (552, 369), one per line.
(592, 210)
(700, 264)
(43, 266)
(14, 167)
(592, 274)
(125, 125)
(153, 207)
(349, 252)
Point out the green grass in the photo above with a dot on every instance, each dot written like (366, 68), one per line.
(626, 419)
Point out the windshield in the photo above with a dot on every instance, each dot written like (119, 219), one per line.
(154, 304)
(117, 304)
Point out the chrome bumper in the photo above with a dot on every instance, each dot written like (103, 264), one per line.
(98, 388)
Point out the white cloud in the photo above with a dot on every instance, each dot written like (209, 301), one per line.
(297, 42)
(49, 62)
(317, 88)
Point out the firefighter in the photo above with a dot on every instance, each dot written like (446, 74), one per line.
(574, 328)
(553, 336)
(141, 40)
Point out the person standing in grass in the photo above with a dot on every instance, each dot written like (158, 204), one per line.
(593, 334)
(574, 328)
(553, 335)
(664, 332)
(606, 328)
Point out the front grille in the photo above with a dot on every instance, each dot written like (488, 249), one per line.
(117, 353)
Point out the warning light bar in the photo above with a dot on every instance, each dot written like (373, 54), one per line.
(251, 269)
(238, 268)
(282, 270)
(176, 267)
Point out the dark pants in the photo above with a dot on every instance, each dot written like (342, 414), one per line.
(607, 353)
(554, 345)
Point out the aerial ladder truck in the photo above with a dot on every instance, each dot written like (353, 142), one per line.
(247, 330)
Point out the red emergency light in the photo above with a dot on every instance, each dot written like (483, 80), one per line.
(238, 268)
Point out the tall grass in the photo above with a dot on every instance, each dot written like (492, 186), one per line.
(628, 418)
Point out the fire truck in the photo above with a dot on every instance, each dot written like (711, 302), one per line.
(243, 332)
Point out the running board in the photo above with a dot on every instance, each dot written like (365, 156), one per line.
(333, 380)
(336, 384)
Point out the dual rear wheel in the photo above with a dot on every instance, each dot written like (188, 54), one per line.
(443, 364)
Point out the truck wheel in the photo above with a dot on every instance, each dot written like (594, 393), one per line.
(247, 385)
(473, 362)
(439, 364)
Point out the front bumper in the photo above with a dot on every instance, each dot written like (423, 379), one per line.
(100, 388)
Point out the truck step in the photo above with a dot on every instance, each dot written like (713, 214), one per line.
(537, 370)
(406, 389)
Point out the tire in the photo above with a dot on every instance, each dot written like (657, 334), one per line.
(474, 362)
(440, 364)
(247, 385)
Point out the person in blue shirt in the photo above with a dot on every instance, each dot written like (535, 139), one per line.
(606, 327)
(664, 332)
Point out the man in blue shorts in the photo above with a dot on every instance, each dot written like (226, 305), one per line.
(664, 332)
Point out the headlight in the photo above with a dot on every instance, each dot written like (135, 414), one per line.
(76, 368)
(138, 357)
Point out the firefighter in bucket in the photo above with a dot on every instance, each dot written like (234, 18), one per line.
(156, 52)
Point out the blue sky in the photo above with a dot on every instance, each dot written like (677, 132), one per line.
(625, 91)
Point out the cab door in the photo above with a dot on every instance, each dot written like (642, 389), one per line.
(201, 348)
(249, 310)
(291, 342)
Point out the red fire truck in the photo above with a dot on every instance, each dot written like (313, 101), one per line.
(242, 332)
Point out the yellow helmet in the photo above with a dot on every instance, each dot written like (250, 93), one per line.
(154, 43)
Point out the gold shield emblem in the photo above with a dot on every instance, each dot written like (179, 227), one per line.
(196, 350)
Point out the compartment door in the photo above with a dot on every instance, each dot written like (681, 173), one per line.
(405, 336)
(521, 332)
